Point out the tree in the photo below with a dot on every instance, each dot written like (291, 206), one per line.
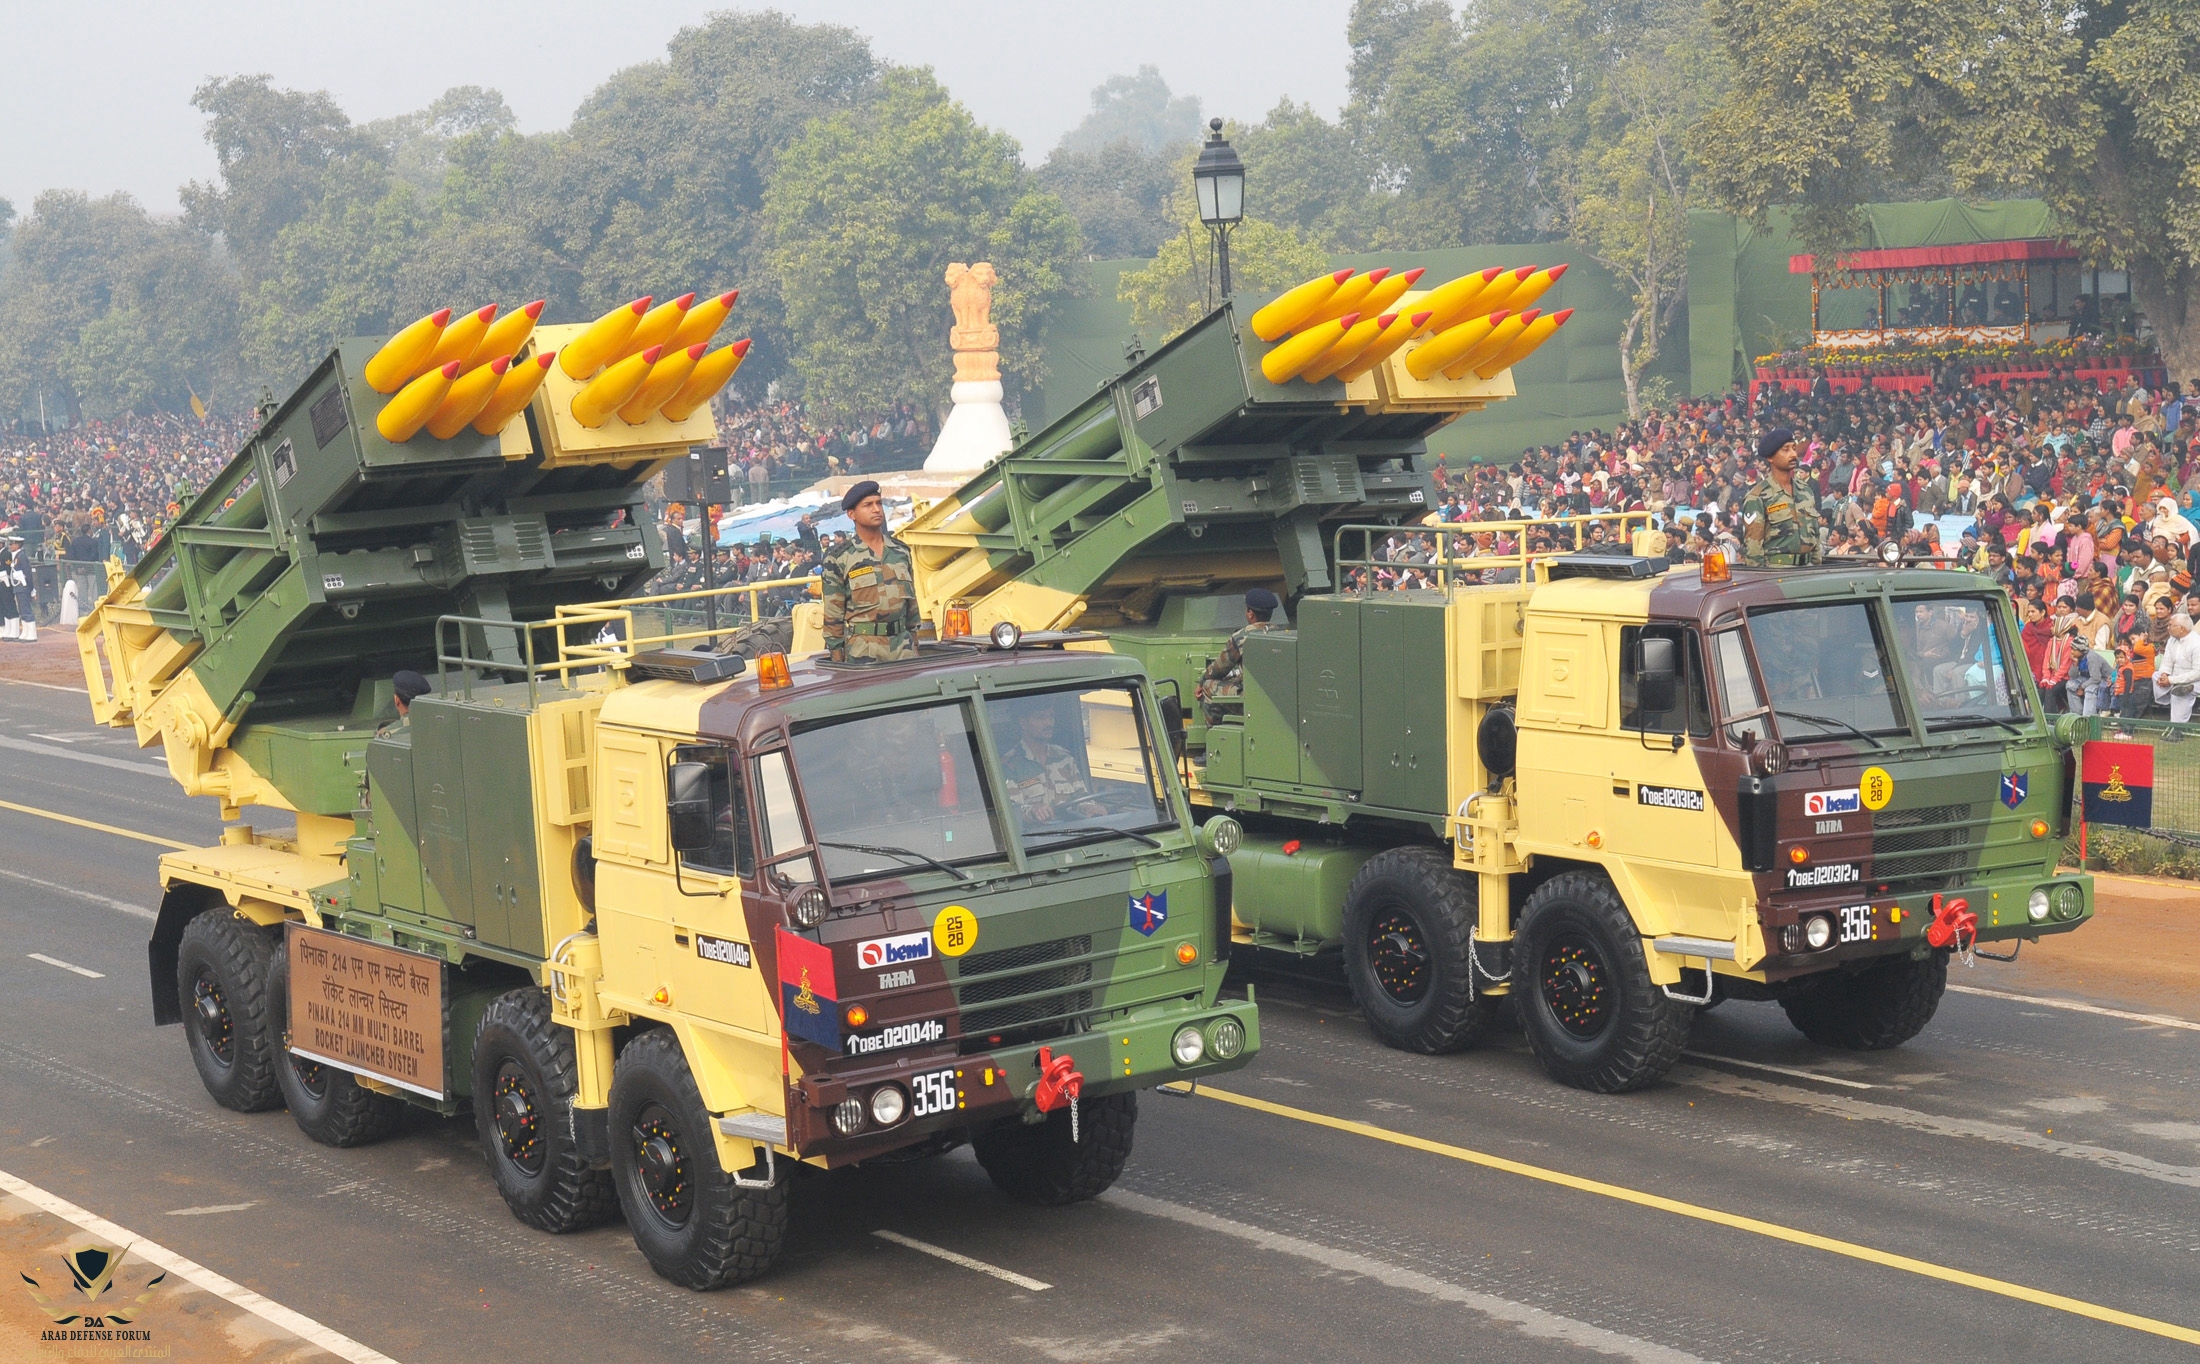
(1139, 110)
(2093, 105)
(1177, 288)
(274, 149)
(1311, 175)
(865, 212)
(1118, 193)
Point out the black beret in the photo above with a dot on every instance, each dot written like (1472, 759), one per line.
(1262, 600)
(866, 488)
(409, 685)
(1770, 442)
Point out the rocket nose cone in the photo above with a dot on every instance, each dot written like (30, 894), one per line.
(1560, 316)
(1415, 273)
(685, 301)
(640, 305)
(696, 351)
(1377, 276)
(450, 371)
(534, 310)
(727, 298)
(487, 314)
(741, 347)
(649, 357)
(1340, 277)
(500, 364)
(441, 317)
(545, 359)
(1558, 270)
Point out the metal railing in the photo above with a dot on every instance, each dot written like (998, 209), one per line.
(673, 625)
(1450, 552)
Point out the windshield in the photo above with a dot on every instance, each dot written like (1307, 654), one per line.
(1078, 762)
(1825, 671)
(888, 793)
(1957, 661)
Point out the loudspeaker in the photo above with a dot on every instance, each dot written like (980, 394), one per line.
(701, 477)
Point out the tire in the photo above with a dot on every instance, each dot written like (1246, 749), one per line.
(692, 1223)
(1874, 1009)
(524, 1081)
(224, 969)
(1408, 917)
(1038, 1163)
(329, 1105)
(1591, 1013)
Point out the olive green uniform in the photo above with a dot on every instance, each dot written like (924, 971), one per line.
(1226, 675)
(1781, 528)
(870, 603)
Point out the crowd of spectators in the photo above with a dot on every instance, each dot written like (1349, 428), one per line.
(776, 447)
(107, 488)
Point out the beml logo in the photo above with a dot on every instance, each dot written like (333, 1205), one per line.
(1818, 803)
(897, 951)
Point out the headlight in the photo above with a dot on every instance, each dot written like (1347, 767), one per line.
(1817, 931)
(2069, 900)
(887, 1105)
(1769, 757)
(1891, 552)
(2037, 905)
(1187, 1046)
(809, 908)
(1222, 835)
(1229, 1039)
(1007, 635)
(848, 1117)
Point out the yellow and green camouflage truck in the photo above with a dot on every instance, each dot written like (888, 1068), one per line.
(1470, 765)
(668, 922)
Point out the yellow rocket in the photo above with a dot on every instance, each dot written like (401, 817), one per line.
(402, 416)
(1303, 349)
(460, 339)
(514, 391)
(657, 326)
(703, 320)
(712, 373)
(468, 396)
(610, 390)
(1447, 303)
(507, 336)
(605, 337)
(1356, 339)
(1294, 306)
(1448, 345)
(1501, 336)
(1532, 336)
(665, 378)
(1396, 332)
(402, 355)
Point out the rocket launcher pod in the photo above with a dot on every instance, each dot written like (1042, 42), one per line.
(1448, 302)
(460, 340)
(712, 373)
(610, 390)
(515, 389)
(1445, 348)
(605, 337)
(467, 398)
(403, 416)
(1348, 298)
(1501, 336)
(507, 336)
(1294, 306)
(403, 354)
(657, 326)
(665, 378)
(1356, 339)
(1286, 360)
(1532, 336)
(1397, 330)
(703, 320)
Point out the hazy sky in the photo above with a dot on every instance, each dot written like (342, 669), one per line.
(97, 94)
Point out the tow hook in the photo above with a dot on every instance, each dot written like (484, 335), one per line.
(1953, 925)
(1059, 1083)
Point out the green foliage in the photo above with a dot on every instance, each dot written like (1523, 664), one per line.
(1118, 193)
(1309, 174)
(864, 213)
(1176, 289)
(1139, 110)
(275, 149)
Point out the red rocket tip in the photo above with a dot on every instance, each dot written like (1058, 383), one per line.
(543, 360)
(1492, 273)
(640, 305)
(649, 357)
(1378, 275)
(729, 296)
(1385, 320)
(487, 314)
(534, 310)
(500, 364)
(1531, 315)
(1559, 317)
(1420, 319)
(441, 317)
(741, 347)
(1558, 270)
(695, 352)
(1499, 316)
(450, 371)
(1524, 271)
(1415, 273)
(685, 301)
(1340, 277)
(1348, 320)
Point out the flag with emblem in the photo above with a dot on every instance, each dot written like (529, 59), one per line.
(1149, 911)
(809, 999)
(2119, 784)
(2015, 786)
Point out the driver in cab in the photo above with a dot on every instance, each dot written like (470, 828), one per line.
(1044, 783)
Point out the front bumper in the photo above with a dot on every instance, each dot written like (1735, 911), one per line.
(1897, 923)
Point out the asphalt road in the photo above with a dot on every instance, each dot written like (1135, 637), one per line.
(1990, 1191)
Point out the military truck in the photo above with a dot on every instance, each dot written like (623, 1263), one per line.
(671, 926)
(1472, 766)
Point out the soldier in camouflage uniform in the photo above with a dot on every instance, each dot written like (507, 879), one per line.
(1780, 523)
(870, 587)
(1043, 779)
(1226, 675)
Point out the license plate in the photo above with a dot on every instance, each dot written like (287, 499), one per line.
(933, 1093)
(1856, 923)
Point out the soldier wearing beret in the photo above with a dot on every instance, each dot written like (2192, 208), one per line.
(1226, 675)
(1780, 523)
(870, 587)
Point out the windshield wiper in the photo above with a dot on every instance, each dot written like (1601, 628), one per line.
(1092, 836)
(1971, 719)
(910, 853)
(1829, 723)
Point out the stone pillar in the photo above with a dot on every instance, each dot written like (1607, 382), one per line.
(976, 429)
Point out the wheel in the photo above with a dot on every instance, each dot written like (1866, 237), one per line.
(329, 1105)
(692, 1223)
(1038, 1163)
(524, 1082)
(224, 966)
(1873, 1009)
(1592, 1015)
(1407, 920)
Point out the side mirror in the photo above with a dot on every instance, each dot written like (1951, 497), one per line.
(687, 806)
(1657, 678)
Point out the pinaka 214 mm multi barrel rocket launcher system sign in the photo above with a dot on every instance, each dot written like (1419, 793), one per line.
(668, 926)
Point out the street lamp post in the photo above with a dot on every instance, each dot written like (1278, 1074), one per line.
(1219, 177)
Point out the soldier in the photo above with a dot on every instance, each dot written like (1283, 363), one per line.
(1044, 783)
(869, 587)
(1226, 675)
(407, 686)
(1780, 523)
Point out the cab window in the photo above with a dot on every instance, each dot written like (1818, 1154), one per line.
(1739, 696)
(783, 831)
(732, 850)
(1691, 709)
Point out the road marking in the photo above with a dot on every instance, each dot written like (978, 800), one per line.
(2158, 1020)
(1008, 1275)
(95, 825)
(237, 1295)
(1780, 1070)
(1772, 1230)
(210, 1209)
(57, 888)
(49, 751)
(58, 738)
(48, 686)
(66, 966)
(1532, 1321)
